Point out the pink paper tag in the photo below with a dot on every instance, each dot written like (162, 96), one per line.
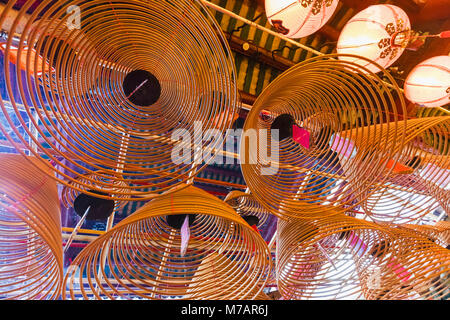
(401, 271)
(357, 244)
(301, 136)
(185, 235)
(343, 146)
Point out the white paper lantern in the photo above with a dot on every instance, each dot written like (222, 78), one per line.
(369, 33)
(297, 19)
(428, 84)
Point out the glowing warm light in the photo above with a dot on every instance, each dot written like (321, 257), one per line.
(297, 19)
(428, 84)
(369, 34)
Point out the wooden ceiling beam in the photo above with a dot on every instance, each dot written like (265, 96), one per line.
(431, 11)
(263, 55)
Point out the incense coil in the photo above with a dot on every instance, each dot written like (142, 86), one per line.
(417, 269)
(246, 205)
(439, 233)
(318, 259)
(111, 101)
(143, 254)
(69, 194)
(31, 256)
(322, 96)
(418, 180)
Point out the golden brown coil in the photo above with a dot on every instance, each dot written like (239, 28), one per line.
(141, 256)
(246, 205)
(105, 96)
(31, 256)
(417, 268)
(322, 97)
(320, 259)
(418, 180)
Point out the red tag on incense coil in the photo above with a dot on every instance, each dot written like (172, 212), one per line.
(398, 167)
(301, 136)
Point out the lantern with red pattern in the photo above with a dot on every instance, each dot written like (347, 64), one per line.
(428, 84)
(371, 34)
(297, 19)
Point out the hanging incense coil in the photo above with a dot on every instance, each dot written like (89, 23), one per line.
(310, 104)
(320, 259)
(418, 181)
(203, 285)
(69, 194)
(113, 92)
(31, 257)
(246, 206)
(417, 269)
(142, 258)
(439, 233)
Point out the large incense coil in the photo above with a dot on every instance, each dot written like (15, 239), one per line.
(418, 269)
(319, 259)
(84, 119)
(323, 96)
(69, 194)
(216, 289)
(31, 257)
(419, 182)
(246, 205)
(143, 254)
(438, 233)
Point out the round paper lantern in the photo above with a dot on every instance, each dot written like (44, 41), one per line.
(369, 34)
(219, 256)
(297, 19)
(428, 84)
(118, 104)
(31, 256)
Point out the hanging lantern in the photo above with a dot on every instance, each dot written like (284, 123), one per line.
(428, 84)
(297, 19)
(370, 33)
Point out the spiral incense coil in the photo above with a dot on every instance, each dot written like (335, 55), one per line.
(417, 269)
(319, 259)
(31, 257)
(418, 181)
(310, 104)
(246, 205)
(69, 194)
(142, 255)
(107, 96)
(203, 285)
(439, 233)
